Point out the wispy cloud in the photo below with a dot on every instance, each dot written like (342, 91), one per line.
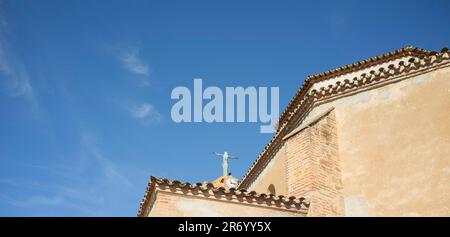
(143, 111)
(84, 201)
(37, 200)
(131, 60)
(17, 81)
(134, 63)
(90, 147)
(49, 203)
(87, 184)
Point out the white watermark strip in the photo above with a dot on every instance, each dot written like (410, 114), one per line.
(213, 110)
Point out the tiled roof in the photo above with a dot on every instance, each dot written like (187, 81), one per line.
(349, 68)
(199, 189)
(306, 97)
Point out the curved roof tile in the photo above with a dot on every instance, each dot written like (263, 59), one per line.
(291, 202)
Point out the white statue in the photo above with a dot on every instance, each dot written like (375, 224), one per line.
(225, 158)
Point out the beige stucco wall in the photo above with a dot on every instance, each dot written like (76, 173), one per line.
(274, 173)
(174, 204)
(394, 147)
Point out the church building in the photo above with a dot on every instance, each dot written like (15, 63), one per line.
(371, 138)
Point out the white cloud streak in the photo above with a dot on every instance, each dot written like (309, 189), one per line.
(132, 61)
(90, 148)
(88, 186)
(16, 81)
(145, 112)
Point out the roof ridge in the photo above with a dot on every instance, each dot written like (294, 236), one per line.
(405, 51)
(408, 50)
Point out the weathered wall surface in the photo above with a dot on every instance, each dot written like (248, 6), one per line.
(171, 204)
(275, 174)
(313, 167)
(394, 147)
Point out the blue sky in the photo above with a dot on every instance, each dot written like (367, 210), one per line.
(85, 86)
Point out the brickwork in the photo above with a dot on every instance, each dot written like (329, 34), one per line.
(313, 168)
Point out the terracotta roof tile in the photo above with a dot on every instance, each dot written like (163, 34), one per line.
(286, 202)
(349, 68)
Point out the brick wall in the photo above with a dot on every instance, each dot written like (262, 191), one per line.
(313, 167)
